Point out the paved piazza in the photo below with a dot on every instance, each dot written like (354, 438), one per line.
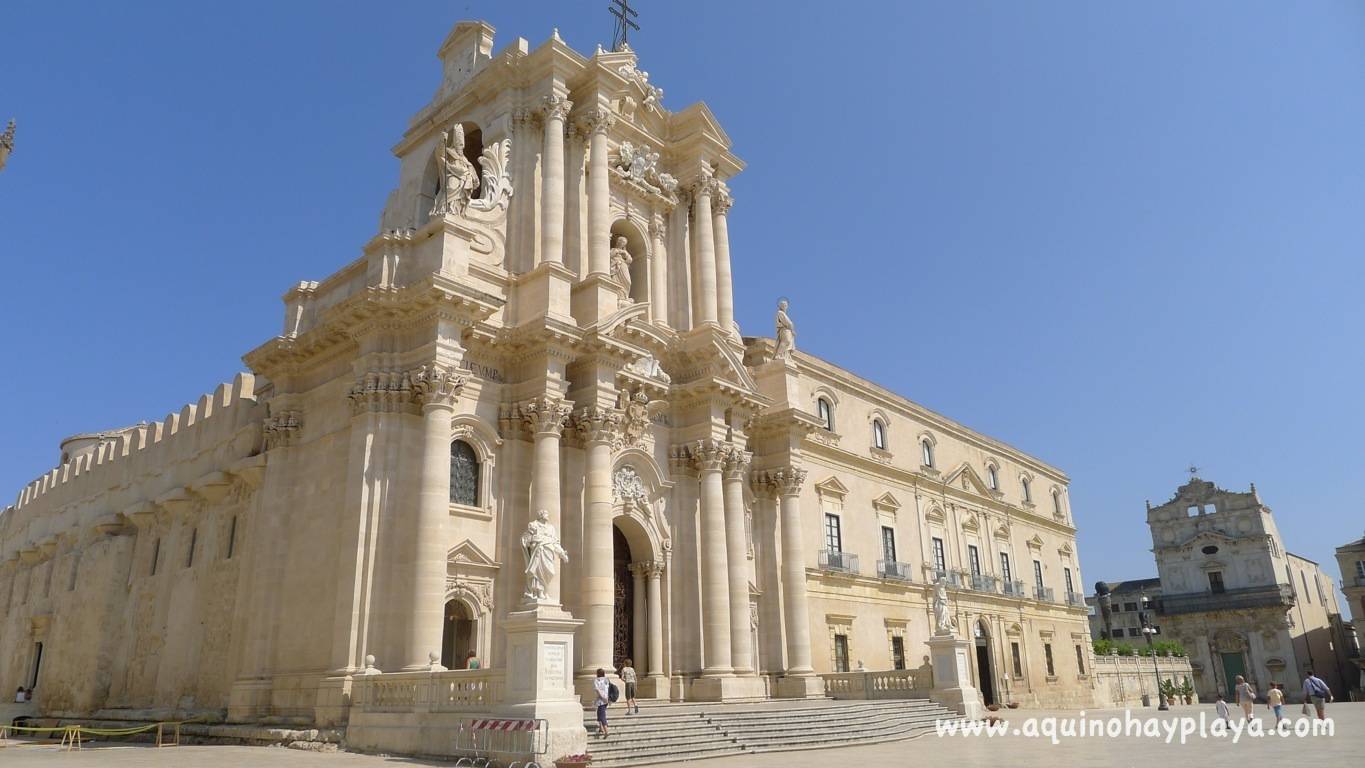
(1344, 748)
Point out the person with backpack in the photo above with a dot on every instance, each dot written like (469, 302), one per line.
(1316, 690)
(603, 688)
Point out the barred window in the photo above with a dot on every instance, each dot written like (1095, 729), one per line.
(464, 474)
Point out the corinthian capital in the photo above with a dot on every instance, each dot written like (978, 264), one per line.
(555, 107)
(709, 455)
(599, 120)
(436, 386)
(599, 425)
(545, 414)
(737, 462)
(721, 199)
(787, 481)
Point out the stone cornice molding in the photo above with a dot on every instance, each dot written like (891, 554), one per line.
(545, 415)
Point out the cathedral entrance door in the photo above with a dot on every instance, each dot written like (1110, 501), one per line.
(623, 614)
(1233, 665)
(457, 637)
(985, 675)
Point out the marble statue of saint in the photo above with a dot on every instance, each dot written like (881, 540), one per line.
(543, 553)
(461, 179)
(786, 333)
(620, 262)
(944, 623)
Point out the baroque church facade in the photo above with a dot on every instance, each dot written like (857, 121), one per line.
(545, 321)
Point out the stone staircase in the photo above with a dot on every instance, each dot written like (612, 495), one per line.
(667, 733)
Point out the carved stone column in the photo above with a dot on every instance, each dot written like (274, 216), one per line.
(704, 305)
(436, 389)
(788, 482)
(725, 292)
(556, 108)
(600, 429)
(639, 616)
(710, 456)
(654, 602)
(544, 417)
(736, 546)
(658, 278)
(598, 122)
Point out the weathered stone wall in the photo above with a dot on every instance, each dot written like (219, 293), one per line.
(1120, 681)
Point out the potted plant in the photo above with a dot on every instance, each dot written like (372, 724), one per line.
(1168, 690)
(574, 761)
(1187, 690)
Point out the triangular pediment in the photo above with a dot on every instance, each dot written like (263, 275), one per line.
(887, 501)
(699, 118)
(831, 487)
(967, 479)
(467, 553)
(1035, 543)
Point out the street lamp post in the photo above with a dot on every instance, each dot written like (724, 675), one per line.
(1148, 630)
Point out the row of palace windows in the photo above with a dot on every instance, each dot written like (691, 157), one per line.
(841, 656)
(825, 412)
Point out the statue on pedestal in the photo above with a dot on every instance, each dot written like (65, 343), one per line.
(786, 333)
(459, 176)
(540, 544)
(620, 262)
(944, 623)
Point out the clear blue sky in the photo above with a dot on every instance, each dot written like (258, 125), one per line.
(1122, 237)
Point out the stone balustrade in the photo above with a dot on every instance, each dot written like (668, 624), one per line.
(456, 690)
(885, 684)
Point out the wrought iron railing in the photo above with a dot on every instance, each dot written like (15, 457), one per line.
(1043, 594)
(834, 560)
(984, 583)
(953, 578)
(1279, 595)
(892, 569)
(1014, 589)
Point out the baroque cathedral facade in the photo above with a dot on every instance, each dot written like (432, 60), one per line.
(545, 321)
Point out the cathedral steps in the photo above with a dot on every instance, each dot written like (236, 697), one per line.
(665, 733)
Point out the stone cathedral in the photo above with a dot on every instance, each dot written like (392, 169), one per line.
(543, 321)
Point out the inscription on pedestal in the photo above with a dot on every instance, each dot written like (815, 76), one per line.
(556, 666)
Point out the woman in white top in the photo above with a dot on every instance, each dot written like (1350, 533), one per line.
(19, 696)
(602, 687)
(1246, 696)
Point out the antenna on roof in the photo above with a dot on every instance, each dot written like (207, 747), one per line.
(620, 32)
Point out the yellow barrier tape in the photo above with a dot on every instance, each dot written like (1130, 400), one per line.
(102, 731)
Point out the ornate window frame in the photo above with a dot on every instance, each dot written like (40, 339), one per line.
(485, 442)
(928, 449)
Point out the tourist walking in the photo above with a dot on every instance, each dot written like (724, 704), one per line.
(1222, 707)
(471, 660)
(602, 687)
(1246, 696)
(628, 677)
(1274, 700)
(1315, 690)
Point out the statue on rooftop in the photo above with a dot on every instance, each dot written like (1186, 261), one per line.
(459, 177)
(786, 333)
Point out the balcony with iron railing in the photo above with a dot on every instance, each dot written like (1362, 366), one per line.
(1043, 594)
(952, 578)
(1075, 598)
(835, 560)
(895, 570)
(1278, 595)
(984, 583)
(1013, 589)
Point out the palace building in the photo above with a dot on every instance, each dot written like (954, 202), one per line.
(543, 321)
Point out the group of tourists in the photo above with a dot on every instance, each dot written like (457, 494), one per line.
(1314, 690)
(23, 694)
(607, 693)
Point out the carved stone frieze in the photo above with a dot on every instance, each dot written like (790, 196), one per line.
(382, 392)
(282, 428)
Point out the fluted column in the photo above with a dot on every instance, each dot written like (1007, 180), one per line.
(715, 573)
(736, 545)
(658, 278)
(545, 417)
(639, 616)
(703, 232)
(597, 123)
(600, 429)
(788, 482)
(437, 390)
(655, 658)
(720, 231)
(555, 109)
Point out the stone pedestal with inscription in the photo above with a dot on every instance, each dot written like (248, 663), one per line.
(952, 676)
(539, 680)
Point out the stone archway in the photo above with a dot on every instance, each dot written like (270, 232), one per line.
(459, 634)
(623, 610)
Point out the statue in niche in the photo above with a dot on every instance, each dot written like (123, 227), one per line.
(786, 333)
(944, 623)
(461, 179)
(540, 544)
(620, 263)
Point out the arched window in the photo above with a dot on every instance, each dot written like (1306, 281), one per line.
(1057, 504)
(927, 452)
(992, 477)
(464, 474)
(878, 434)
(826, 413)
(1028, 494)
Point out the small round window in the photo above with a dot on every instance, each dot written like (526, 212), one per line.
(1210, 550)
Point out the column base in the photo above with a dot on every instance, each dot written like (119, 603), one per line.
(654, 687)
(728, 689)
(539, 654)
(249, 699)
(801, 687)
(952, 683)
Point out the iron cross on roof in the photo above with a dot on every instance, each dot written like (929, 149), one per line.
(620, 32)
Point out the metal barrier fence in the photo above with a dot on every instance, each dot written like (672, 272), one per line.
(484, 737)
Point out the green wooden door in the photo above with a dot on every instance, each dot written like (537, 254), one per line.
(1233, 665)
